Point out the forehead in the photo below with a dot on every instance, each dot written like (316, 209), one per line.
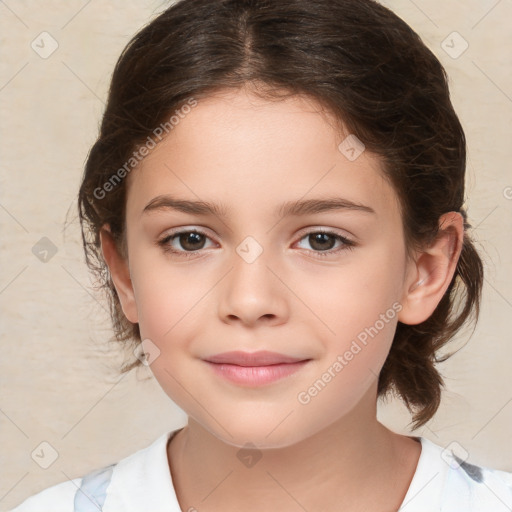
(247, 153)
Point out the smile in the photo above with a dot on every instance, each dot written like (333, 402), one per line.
(256, 375)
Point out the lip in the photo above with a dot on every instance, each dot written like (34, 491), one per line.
(254, 368)
(260, 358)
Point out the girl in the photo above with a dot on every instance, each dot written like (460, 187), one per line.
(275, 206)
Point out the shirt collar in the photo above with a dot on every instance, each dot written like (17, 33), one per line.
(143, 480)
(426, 486)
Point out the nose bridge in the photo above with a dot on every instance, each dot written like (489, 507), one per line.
(251, 262)
(251, 289)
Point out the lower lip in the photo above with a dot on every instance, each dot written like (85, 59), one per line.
(256, 375)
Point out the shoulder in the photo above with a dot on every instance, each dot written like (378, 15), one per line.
(118, 487)
(453, 484)
(58, 498)
(484, 488)
(84, 494)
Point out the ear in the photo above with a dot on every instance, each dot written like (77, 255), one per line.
(429, 276)
(120, 272)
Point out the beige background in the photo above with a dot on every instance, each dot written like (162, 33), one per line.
(58, 374)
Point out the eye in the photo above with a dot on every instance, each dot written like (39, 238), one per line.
(190, 240)
(193, 240)
(323, 242)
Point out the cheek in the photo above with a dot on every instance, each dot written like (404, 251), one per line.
(352, 361)
(167, 293)
(170, 304)
(352, 297)
(361, 310)
(167, 301)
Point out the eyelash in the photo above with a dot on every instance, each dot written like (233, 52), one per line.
(164, 243)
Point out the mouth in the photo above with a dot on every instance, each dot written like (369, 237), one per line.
(254, 368)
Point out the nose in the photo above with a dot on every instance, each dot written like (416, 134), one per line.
(252, 293)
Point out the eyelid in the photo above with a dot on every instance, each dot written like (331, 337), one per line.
(304, 231)
(184, 229)
(315, 228)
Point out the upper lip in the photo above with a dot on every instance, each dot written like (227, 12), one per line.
(261, 358)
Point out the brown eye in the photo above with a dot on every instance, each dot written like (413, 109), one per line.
(323, 243)
(184, 243)
(191, 241)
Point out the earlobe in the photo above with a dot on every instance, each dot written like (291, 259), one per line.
(432, 271)
(120, 272)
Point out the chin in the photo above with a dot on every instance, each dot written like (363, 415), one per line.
(263, 435)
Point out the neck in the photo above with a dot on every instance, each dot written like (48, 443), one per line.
(352, 463)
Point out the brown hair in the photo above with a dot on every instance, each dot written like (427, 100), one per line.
(358, 60)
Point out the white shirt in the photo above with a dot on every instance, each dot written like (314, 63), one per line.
(142, 482)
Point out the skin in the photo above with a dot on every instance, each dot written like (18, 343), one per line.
(252, 155)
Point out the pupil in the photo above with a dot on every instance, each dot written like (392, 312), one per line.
(321, 239)
(190, 238)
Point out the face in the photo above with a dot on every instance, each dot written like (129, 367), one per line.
(258, 274)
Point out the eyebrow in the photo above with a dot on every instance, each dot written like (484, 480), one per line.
(290, 208)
